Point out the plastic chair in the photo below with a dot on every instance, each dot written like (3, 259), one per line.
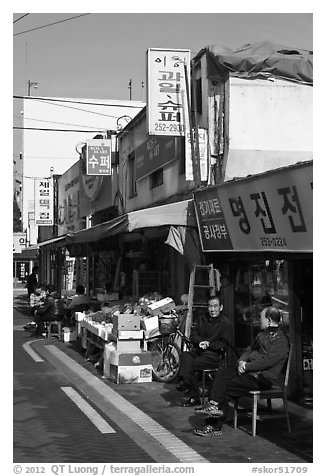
(52, 333)
(274, 392)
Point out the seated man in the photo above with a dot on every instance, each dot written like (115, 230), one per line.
(80, 300)
(208, 337)
(52, 310)
(258, 369)
(36, 300)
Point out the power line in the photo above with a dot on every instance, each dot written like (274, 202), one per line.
(57, 130)
(76, 102)
(50, 24)
(20, 18)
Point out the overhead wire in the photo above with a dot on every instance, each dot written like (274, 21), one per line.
(132, 106)
(51, 24)
(20, 18)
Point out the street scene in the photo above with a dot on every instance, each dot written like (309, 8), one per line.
(162, 242)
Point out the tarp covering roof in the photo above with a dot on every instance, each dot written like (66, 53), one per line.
(260, 60)
(177, 213)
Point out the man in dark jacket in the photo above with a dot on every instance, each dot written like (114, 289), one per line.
(32, 281)
(52, 310)
(258, 369)
(208, 336)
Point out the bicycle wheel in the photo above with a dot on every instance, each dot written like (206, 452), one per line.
(165, 359)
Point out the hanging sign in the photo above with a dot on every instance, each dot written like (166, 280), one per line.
(271, 211)
(98, 157)
(43, 197)
(168, 108)
(203, 154)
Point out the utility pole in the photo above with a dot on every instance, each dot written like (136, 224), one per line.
(129, 87)
(29, 85)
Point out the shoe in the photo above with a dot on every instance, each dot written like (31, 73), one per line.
(208, 430)
(190, 402)
(210, 409)
(30, 326)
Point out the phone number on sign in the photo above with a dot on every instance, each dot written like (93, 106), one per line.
(278, 241)
(169, 127)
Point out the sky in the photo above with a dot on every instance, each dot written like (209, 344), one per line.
(95, 56)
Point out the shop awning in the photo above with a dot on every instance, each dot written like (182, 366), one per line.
(58, 241)
(177, 214)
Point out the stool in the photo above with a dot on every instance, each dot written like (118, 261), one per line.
(53, 333)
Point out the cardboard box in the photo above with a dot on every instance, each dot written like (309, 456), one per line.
(122, 367)
(151, 326)
(160, 307)
(129, 335)
(126, 322)
(128, 346)
(131, 374)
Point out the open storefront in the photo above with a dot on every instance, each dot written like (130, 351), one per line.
(258, 232)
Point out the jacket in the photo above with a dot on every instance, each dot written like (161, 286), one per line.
(214, 330)
(53, 309)
(266, 356)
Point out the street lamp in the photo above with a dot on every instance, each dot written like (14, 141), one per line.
(29, 84)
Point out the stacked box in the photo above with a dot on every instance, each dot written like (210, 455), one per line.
(122, 367)
(126, 331)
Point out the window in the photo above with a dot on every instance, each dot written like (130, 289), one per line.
(132, 175)
(156, 178)
(198, 91)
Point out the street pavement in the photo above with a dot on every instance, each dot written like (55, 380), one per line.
(55, 389)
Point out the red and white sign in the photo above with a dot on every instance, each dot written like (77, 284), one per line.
(43, 197)
(98, 157)
(168, 108)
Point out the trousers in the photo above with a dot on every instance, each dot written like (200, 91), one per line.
(193, 361)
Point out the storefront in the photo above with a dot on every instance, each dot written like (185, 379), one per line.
(132, 253)
(258, 232)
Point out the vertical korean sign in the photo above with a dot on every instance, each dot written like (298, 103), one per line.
(168, 108)
(98, 157)
(43, 196)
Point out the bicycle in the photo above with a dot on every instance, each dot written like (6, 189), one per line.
(166, 352)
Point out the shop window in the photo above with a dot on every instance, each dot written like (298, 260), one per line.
(132, 175)
(156, 178)
(257, 286)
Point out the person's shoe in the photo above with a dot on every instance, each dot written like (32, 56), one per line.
(208, 430)
(190, 402)
(210, 409)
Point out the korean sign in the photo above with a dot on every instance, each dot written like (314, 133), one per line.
(168, 108)
(98, 157)
(43, 196)
(156, 152)
(203, 155)
(19, 242)
(267, 212)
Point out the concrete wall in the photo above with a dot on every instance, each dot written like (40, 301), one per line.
(270, 125)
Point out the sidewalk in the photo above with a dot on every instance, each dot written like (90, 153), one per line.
(160, 402)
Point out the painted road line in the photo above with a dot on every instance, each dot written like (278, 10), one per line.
(88, 410)
(165, 438)
(31, 352)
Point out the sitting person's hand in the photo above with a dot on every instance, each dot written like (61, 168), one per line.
(204, 344)
(241, 367)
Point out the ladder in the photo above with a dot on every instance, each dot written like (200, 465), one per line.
(212, 283)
